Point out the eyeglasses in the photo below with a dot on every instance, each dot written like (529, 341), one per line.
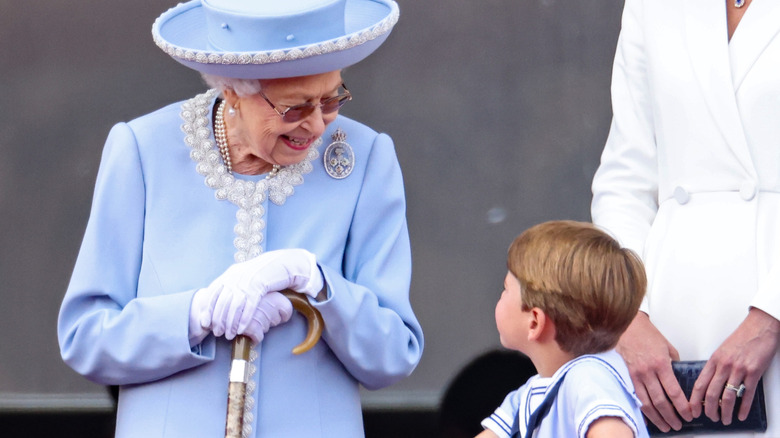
(303, 110)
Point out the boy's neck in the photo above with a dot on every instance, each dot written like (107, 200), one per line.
(549, 358)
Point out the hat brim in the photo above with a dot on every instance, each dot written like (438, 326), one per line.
(181, 33)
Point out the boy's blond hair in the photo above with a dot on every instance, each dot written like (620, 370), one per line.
(581, 279)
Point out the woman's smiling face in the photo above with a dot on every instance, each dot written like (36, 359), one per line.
(257, 135)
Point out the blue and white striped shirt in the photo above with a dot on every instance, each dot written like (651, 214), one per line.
(596, 386)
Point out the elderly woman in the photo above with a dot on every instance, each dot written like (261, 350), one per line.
(295, 197)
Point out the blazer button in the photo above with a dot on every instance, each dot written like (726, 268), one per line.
(747, 191)
(681, 195)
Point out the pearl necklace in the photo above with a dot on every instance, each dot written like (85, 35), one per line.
(220, 134)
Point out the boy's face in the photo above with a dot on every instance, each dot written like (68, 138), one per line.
(511, 319)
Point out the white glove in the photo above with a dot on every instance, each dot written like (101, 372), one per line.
(205, 317)
(274, 309)
(201, 308)
(240, 288)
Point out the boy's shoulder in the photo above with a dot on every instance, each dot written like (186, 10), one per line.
(602, 372)
(598, 385)
(608, 362)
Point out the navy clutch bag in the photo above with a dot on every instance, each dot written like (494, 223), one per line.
(687, 372)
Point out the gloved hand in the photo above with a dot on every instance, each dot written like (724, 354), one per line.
(205, 317)
(274, 309)
(236, 294)
(201, 309)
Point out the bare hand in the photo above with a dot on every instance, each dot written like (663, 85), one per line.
(741, 359)
(649, 358)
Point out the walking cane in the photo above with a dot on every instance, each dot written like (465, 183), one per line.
(239, 366)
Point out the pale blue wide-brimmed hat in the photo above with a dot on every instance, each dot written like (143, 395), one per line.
(265, 39)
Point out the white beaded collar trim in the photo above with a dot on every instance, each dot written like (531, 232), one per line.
(249, 196)
(274, 56)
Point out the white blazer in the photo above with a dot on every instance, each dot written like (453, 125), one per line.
(690, 175)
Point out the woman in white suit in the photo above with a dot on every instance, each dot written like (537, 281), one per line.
(690, 178)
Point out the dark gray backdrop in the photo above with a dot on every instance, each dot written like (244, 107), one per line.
(498, 108)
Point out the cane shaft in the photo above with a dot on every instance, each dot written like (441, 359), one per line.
(239, 377)
(235, 411)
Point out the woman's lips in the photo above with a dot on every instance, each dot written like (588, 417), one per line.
(297, 143)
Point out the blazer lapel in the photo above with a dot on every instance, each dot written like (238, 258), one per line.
(759, 25)
(707, 42)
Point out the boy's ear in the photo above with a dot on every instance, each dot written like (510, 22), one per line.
(538, 325)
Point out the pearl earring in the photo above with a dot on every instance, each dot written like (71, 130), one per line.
(232, 111)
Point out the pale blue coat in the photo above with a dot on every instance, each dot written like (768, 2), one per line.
(157, 233)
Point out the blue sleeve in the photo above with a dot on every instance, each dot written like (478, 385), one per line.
(106, 332)
(370, 326)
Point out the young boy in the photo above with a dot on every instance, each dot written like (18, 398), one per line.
(570, 292)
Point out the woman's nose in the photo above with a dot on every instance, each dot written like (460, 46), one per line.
(316, 121)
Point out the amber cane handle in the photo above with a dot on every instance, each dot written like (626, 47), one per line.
(239, 377)
(312, 315)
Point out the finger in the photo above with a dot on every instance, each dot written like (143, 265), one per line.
(675, 394)
(235, 311)
(673, 353)
(649, 409)
(252, 302)
(283, 308)
(221, 305)
(730, 396)
(267, 276)
(662, 387)
(207, 313)
(700, 389)
(257, 329)
(751, 387)
(273, 276)
(263, 320)
(727, 400)
(270, 313)
(712, 398)
(221, 310)
(661, 403)
(747, 400)
(255, 335)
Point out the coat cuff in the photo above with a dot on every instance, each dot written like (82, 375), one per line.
(768, 296)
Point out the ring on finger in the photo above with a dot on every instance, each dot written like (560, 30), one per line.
(704, 402)
(738, 389)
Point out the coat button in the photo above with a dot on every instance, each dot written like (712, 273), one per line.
(747, 191)
(681, 195)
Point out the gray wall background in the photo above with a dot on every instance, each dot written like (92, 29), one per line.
(499, 110)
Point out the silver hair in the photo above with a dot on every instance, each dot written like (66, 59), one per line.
(242, 87)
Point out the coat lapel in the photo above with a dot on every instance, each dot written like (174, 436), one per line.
(759, 25)
(707, 42)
